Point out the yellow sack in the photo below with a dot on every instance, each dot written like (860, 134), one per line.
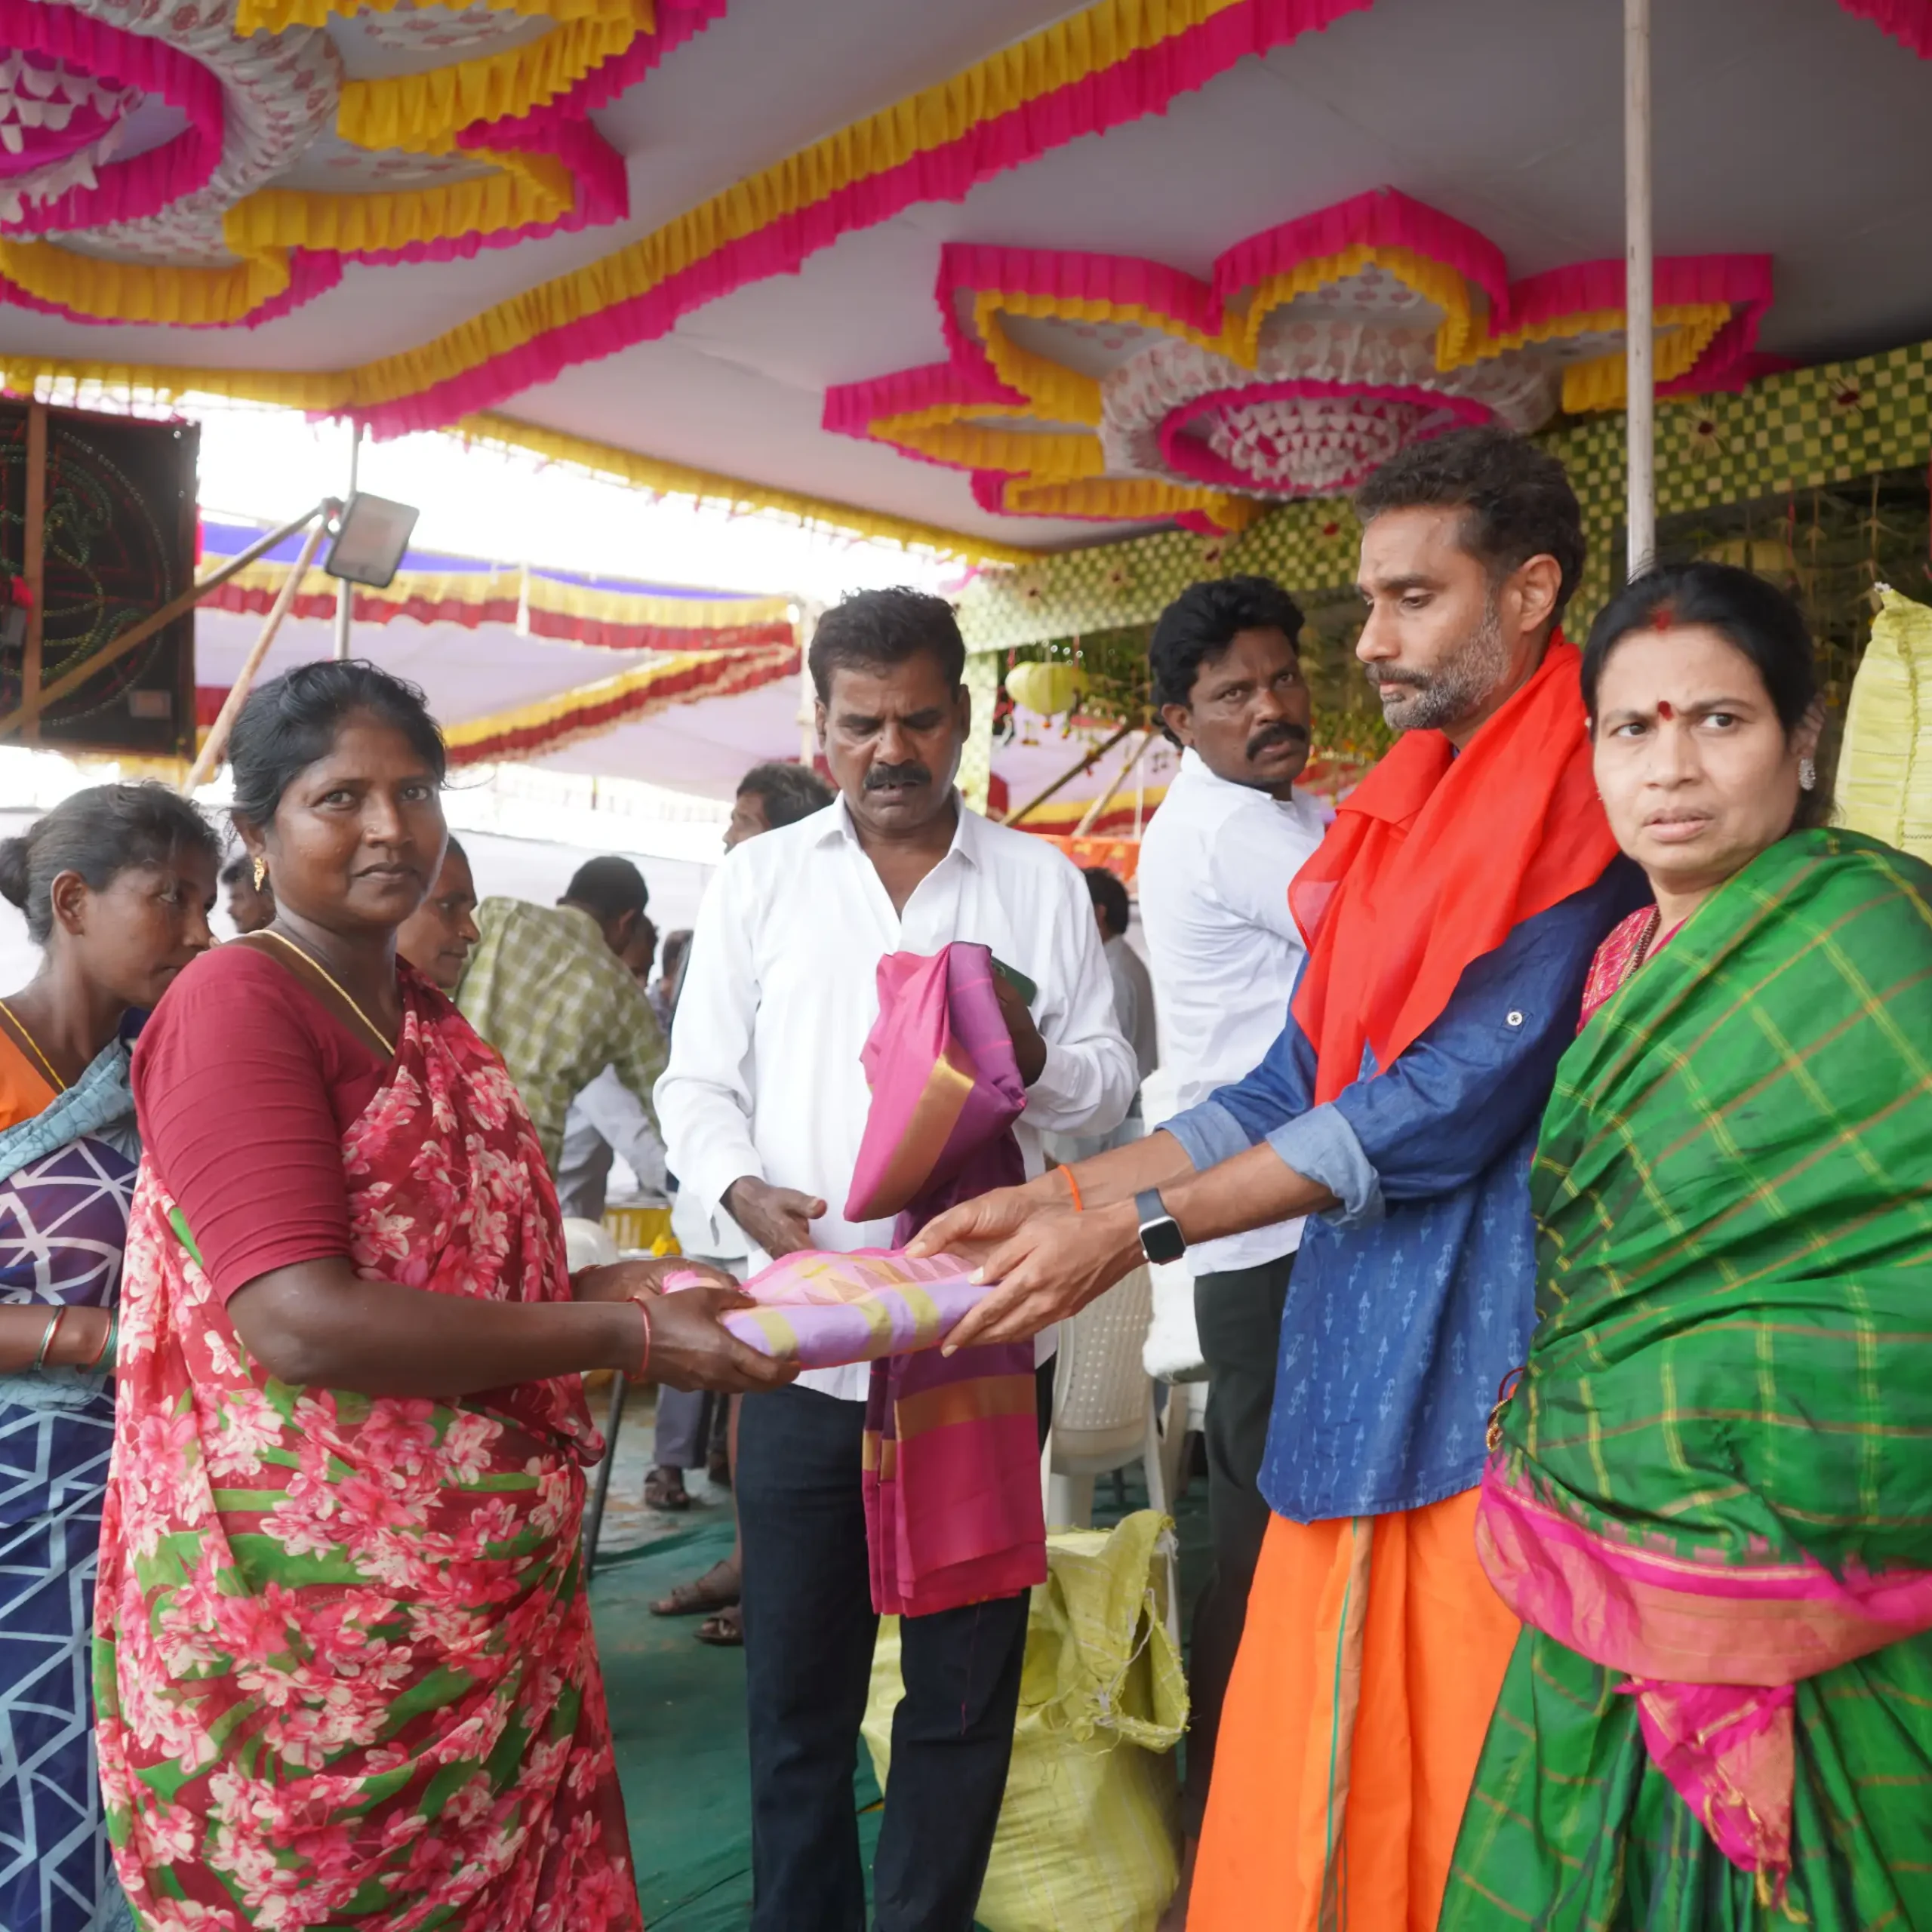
(1885, 783)
(1089, 1835)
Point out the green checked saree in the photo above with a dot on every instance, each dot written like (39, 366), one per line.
(1712, 1500)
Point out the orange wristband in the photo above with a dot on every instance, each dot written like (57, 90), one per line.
(1073, 1188)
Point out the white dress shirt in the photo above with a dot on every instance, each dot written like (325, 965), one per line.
(780, 992)
(607, 1118)
(1216, 862)
(1133, 1003)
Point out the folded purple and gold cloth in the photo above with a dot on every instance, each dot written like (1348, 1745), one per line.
(822, 1311)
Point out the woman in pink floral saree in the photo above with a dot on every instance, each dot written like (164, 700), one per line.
(346, 1676)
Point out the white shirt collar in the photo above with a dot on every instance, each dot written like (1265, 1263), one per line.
(968, 829)
(1198, 770)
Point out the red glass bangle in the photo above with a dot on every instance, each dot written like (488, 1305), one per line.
(106, 1344)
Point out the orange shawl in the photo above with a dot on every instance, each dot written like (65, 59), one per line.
(1434, 859)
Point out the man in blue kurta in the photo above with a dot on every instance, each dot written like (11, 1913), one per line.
(1451, 916)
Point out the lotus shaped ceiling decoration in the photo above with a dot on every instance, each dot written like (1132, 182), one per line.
(1109, 387)
(215, 163)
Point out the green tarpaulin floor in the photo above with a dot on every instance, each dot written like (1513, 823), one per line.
(678, 1716)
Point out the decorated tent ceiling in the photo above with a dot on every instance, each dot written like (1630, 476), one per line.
(993, 267)
(516, 662)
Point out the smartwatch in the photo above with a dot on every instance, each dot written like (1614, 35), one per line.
(1161, 1238)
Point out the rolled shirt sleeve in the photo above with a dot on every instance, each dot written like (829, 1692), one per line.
(1090, 1078)
(1463, 1092)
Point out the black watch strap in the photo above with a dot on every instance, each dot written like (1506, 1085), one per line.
(1161, 1238)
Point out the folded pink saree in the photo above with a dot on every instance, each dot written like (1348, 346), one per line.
(953, 1512)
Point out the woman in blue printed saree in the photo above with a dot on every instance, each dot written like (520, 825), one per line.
(1710, 1499)
(116, 884)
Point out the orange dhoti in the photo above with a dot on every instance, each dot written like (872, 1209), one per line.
(1371, 1659)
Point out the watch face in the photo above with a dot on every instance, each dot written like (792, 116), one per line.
(1161, 1238)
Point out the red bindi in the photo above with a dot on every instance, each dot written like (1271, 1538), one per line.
(1664, 710)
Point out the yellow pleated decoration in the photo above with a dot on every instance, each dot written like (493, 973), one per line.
(423, 118)
(1884, 782)
(1090, 41)
(140, 291)
(273, 15)
(523, 189)
(421, 113)
(1683, 335)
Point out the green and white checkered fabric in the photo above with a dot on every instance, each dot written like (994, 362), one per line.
(560, 1006)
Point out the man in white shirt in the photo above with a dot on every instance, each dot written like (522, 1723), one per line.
(1133, 1006)
(607, 1119)
(1215, 866)
(764, 1105)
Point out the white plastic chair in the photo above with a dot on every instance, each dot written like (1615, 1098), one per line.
(1103, 1403)
(1103, 1412)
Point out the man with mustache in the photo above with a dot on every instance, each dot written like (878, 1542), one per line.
(764, 1105)
(1216, 865)
(1451, 915)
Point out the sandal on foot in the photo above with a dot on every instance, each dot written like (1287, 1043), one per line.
(664, 1489)
(726, 1630)
(717, 1590)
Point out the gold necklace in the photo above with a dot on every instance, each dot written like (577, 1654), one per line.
(303, 952)
(33, 1047)
(1645, 940)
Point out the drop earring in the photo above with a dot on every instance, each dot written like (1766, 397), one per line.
(261, 873)
(1807, 775)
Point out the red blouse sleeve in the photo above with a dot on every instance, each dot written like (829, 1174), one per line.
(244, 1086)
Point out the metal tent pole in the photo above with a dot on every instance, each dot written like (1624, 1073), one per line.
(208, 760)
(1641, 513)
(345, 591)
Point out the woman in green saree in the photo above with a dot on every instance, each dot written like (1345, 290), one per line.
(1710, 1499)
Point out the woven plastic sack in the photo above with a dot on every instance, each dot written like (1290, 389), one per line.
(1089, 1836)
(1884, 778)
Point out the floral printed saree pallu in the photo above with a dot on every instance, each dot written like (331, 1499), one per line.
(344, 1666)
(1711, 1502)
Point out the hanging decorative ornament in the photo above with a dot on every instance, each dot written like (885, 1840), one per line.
(1047, 688)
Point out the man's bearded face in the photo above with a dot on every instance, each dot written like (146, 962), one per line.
(1434, 645)
(1420, 700)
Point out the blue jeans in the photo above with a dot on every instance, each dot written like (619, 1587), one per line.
(809, 1631)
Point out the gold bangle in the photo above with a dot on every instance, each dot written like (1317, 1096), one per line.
(638, 1372)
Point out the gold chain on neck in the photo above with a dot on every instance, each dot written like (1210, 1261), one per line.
(354, 1005)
